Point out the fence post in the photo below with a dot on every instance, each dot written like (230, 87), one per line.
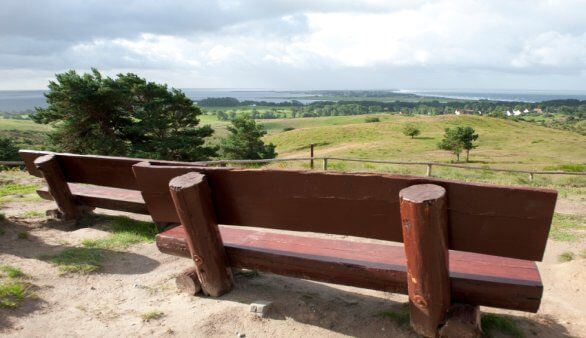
(530, 177)
(311, 155)
(428, 170)
(325, 163)
(424, 217)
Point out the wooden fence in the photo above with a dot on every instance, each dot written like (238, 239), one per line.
(326, 160)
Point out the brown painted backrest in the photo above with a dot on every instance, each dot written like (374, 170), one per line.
(497, 220)
(108, 171)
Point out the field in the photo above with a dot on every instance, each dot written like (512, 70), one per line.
(502, 144)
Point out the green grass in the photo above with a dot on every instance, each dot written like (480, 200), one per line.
(22, 235)
(22, 125)
(2, 217)
(151, 315)
(12, 293)
(567, 167)
(33, 214)
(124, 233)
(15, 192)
(399, 318)
(566, 257)
(502, 144)
(493, 324)
(567, 228)
(17, 189)
(77, 260)
(13, 289)
(11, 272)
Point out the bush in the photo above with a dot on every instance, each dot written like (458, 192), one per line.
(8, 151)
(372, 120)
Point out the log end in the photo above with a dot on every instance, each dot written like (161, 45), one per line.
(421, 193)
(185, 181)
(188, 283)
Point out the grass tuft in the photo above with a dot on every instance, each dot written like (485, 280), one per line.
(125, 232)
(2, 217)
(567, 228)
(11, 294)
(22, 235)
(33, 214)
(566, 257)
(12, 289)
(492, 323)
(400, 318)
(78, 260)
(11, 272)
(17, 189)
(151, 315)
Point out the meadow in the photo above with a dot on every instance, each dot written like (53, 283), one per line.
(502, 143)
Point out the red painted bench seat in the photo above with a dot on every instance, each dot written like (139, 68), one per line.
(475, 278)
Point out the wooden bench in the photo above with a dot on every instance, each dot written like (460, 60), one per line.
(463, 243)
(78, 182)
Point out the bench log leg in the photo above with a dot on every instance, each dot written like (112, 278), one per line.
(425, 235)
(463, 321)
(58, 187)
(193, 202)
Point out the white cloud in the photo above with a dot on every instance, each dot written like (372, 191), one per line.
(352, 44)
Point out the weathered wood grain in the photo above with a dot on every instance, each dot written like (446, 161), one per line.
(475, 278)
(425, 231)
(497, 220)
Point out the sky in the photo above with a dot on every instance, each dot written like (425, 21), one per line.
(300, 44)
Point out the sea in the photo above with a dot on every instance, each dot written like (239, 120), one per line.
(20, 100)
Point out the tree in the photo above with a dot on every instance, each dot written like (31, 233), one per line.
(458, 139)
(8, 151)
(411, 130)
(125, 115)
(468, 136)
(245, 141)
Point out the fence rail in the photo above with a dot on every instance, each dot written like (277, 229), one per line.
(327, 160)
(11, 163)
(429, 165)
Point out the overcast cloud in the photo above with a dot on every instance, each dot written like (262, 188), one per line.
(300, 44)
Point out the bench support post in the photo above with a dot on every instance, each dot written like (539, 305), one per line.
(58, 187)
(193, 202)
(425, 236)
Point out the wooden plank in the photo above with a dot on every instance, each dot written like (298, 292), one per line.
(425, 231)
(58, 188)
(104, 197)
(475, 278)
(106, 171)
(496, 220)
(193, 202)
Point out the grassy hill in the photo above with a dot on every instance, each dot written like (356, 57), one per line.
(502, 144)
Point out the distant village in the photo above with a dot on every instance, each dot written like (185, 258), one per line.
(514, 112)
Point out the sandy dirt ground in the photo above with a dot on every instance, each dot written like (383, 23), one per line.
(140, 279)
